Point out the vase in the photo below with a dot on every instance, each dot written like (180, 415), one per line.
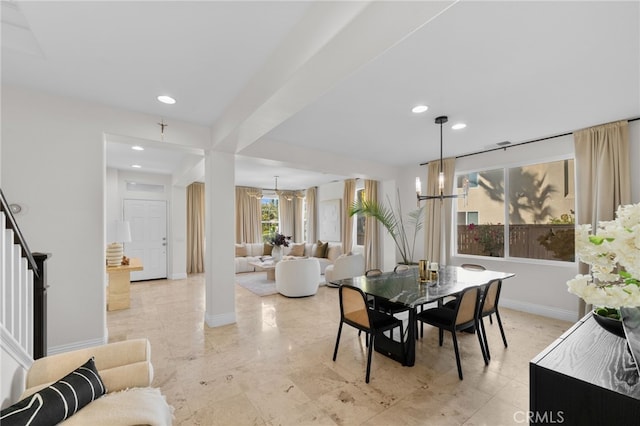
(276, 253)
(612, 325)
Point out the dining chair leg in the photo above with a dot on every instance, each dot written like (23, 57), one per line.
(455, 347)
(483, 348)
(504, 338)
(484, 338)
(440, 336)
(369, 353)
(335, 351)
(490, 319)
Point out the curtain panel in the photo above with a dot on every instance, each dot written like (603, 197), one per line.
(371, 228)
(312, 217)
(298, 219)
(438, 213)
(195, 228)
(347, 221)
(286, 213)
(248, 216)
(603, 177)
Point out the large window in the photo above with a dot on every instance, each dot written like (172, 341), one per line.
(269, 217)
(533, 205)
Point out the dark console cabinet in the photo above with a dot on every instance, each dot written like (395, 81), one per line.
(586, 377)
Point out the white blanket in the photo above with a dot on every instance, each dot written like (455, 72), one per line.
(135, 406)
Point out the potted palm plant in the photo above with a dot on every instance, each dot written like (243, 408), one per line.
(395, 223)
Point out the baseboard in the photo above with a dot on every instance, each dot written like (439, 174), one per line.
(178, 276)
(77, 345)
(545, 311)
(220, 320)
(12, 348)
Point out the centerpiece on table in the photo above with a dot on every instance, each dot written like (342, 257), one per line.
(613, 252)
(278, 241)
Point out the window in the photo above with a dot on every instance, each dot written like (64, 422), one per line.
(269, 217)
(540, 205)
(482, 232)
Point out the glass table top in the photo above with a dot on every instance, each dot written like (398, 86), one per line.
(405, 287)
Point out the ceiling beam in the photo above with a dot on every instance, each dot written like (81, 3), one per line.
(333, 40)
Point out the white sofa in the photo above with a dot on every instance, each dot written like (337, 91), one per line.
(298, 277)
(345, 266)
(126, 371)
(255, 250)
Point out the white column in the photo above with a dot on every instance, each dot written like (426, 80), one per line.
(220, 238)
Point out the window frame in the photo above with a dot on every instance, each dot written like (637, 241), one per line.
(453, 251)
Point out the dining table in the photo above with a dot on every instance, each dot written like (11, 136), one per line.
(406, 289)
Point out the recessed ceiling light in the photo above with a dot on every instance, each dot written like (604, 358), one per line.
(418, 109)
(458, 126)
(136, 166)
(166, 99)
(137, 148)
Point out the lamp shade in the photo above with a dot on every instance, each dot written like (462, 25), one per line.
(119, 231)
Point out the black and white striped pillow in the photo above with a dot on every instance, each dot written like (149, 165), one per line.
(58, 401)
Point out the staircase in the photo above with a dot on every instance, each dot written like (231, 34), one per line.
(22, 293)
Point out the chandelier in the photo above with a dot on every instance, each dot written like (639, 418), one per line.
(287, 195)
(440, 120)
(254, 193)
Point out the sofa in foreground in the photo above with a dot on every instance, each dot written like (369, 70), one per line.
(103, 385)
(252, 252)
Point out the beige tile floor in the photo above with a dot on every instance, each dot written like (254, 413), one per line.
(274, 366)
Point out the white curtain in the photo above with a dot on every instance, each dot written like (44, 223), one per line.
(298, 219)
(371, 228)
(312, 218)
(438, 213)
(286, 213)
(195, 228)
(603, 177)
(348, 198)
(248, 216)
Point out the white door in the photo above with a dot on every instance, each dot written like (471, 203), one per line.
(148, 221)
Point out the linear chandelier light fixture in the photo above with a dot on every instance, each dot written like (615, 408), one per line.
(439, 120)
(287, 195)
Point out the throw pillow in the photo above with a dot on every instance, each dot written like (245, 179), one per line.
(321, 249)
(266, 250)
(241, 250)
(297, 250)
(58, 401)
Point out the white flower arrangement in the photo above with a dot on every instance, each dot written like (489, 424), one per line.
(614, 255)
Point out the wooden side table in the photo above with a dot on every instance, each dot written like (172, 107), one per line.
(118, 291)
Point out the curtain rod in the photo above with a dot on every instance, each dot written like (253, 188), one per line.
(521, 143)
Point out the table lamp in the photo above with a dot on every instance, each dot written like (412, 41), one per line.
(119, 232)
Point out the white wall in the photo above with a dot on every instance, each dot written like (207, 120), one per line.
(176, 211)
(53, 163)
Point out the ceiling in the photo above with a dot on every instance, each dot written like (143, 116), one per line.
(334, 80)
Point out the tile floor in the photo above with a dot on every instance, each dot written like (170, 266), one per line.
(274, 367)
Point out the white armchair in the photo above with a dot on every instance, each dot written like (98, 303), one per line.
(298, 278)
(345, 266)
(126, 371)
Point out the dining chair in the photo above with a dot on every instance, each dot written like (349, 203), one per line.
(473, 267)
(373, 272)
(488, 306)
(355, 312)
(400, 268)
(464, 316)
